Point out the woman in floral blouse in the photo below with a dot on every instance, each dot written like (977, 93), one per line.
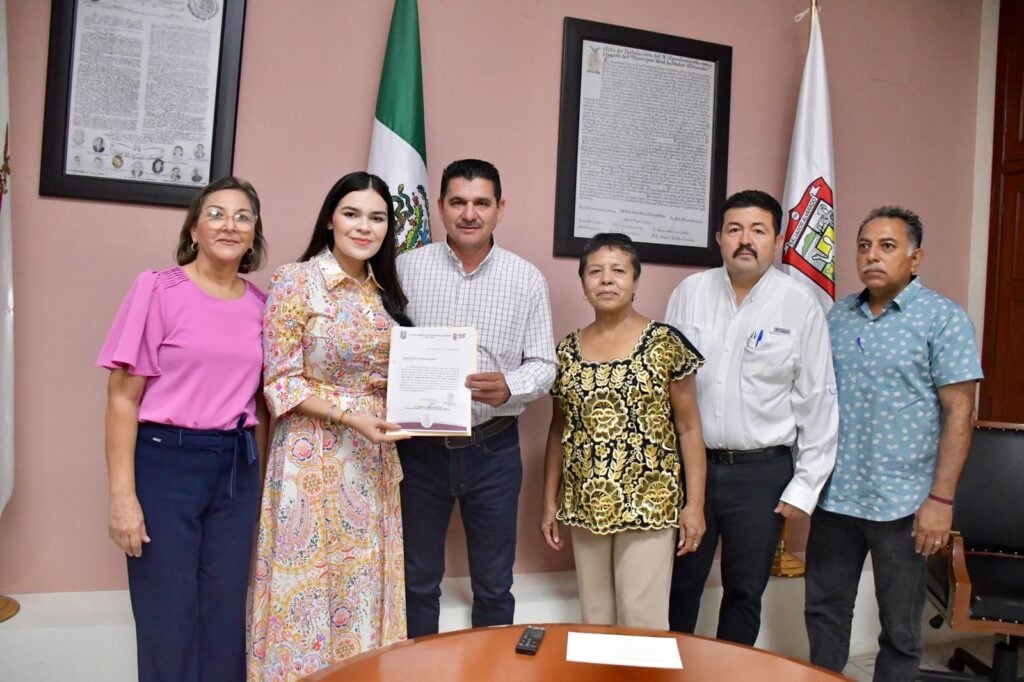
(625, 399)
(328, 582)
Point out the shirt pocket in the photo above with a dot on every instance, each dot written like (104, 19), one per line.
(768, 358)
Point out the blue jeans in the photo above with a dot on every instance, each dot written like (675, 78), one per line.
(836, 548)
(199, 492)
(485, 479)
(739, 503)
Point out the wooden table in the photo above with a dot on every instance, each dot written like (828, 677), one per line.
(488, 654)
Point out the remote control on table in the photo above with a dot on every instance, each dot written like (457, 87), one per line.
(530, 641)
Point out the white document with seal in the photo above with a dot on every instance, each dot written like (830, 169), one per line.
(427, 370)
(633, 650)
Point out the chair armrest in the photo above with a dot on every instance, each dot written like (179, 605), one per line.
(959, 584)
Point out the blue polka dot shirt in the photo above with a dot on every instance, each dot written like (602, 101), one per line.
(888, 372)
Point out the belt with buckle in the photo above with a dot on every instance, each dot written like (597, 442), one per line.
(747, 456)
(481, 432)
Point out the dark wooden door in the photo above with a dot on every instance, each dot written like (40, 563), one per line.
(1002, 391)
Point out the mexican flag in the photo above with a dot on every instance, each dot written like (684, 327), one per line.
(808, 253)
(398, 146)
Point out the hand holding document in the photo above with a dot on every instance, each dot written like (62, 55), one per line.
(427, 370)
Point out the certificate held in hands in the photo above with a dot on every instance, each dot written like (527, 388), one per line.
(427, 370)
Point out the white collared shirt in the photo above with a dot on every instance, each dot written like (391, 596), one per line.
(505, 299)
(768, 377)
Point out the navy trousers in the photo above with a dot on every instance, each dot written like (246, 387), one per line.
(836, 548)
(199, 492)
(738, 508)
(485, 480)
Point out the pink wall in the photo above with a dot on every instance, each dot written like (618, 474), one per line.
(903, 81)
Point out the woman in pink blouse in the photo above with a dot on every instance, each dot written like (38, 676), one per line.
(184, 358)
(328, 581)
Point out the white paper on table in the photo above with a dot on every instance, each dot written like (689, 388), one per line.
(427, 370)
(634, 650)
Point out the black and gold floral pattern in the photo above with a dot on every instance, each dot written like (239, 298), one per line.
(620, 452)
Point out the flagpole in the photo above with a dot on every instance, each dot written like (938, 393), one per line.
(8, 606)
(785, 563)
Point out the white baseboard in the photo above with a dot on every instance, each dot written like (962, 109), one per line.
(89, 636)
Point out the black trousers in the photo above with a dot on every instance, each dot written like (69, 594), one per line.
(485, 480)
(739, 503)
(836, 549)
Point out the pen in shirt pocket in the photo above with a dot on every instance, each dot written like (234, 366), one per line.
(860, 344)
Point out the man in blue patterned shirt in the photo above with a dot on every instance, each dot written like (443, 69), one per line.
(906, 369)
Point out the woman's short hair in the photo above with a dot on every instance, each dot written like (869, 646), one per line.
(611, 240)
(187, 251)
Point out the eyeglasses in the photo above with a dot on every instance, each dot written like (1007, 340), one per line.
(244, 220)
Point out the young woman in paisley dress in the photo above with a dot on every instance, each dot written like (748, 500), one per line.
(625, 400)
(328, 582)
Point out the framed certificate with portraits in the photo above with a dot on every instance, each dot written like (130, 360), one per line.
(141, 97)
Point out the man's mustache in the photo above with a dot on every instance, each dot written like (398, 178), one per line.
(746, 249)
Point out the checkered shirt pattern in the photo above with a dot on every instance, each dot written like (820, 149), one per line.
(505, 299)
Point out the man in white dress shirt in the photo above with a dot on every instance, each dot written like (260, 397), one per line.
(766, 393)
(469, 281)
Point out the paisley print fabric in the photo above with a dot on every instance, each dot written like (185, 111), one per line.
(328, 581)
(620, 453)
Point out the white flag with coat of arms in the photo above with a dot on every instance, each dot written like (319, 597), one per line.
(808, 253)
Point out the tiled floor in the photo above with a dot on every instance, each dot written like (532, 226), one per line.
(860, 668)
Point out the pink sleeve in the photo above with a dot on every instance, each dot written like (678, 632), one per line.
(137, 331)
(284, 322)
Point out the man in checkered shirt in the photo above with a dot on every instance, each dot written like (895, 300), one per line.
(469, 281)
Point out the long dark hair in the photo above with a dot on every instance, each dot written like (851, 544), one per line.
(382, 262)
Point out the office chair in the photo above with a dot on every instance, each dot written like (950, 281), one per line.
(977, 581)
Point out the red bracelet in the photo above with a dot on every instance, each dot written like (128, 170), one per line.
(943, 500)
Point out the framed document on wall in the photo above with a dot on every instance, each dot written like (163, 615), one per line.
(141, 98)
(643, 141)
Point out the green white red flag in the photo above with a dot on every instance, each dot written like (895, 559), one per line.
(398, 145)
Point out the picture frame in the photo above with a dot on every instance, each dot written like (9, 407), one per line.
(648, 153)
(177, 72)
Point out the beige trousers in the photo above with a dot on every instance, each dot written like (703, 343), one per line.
(624, 578)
